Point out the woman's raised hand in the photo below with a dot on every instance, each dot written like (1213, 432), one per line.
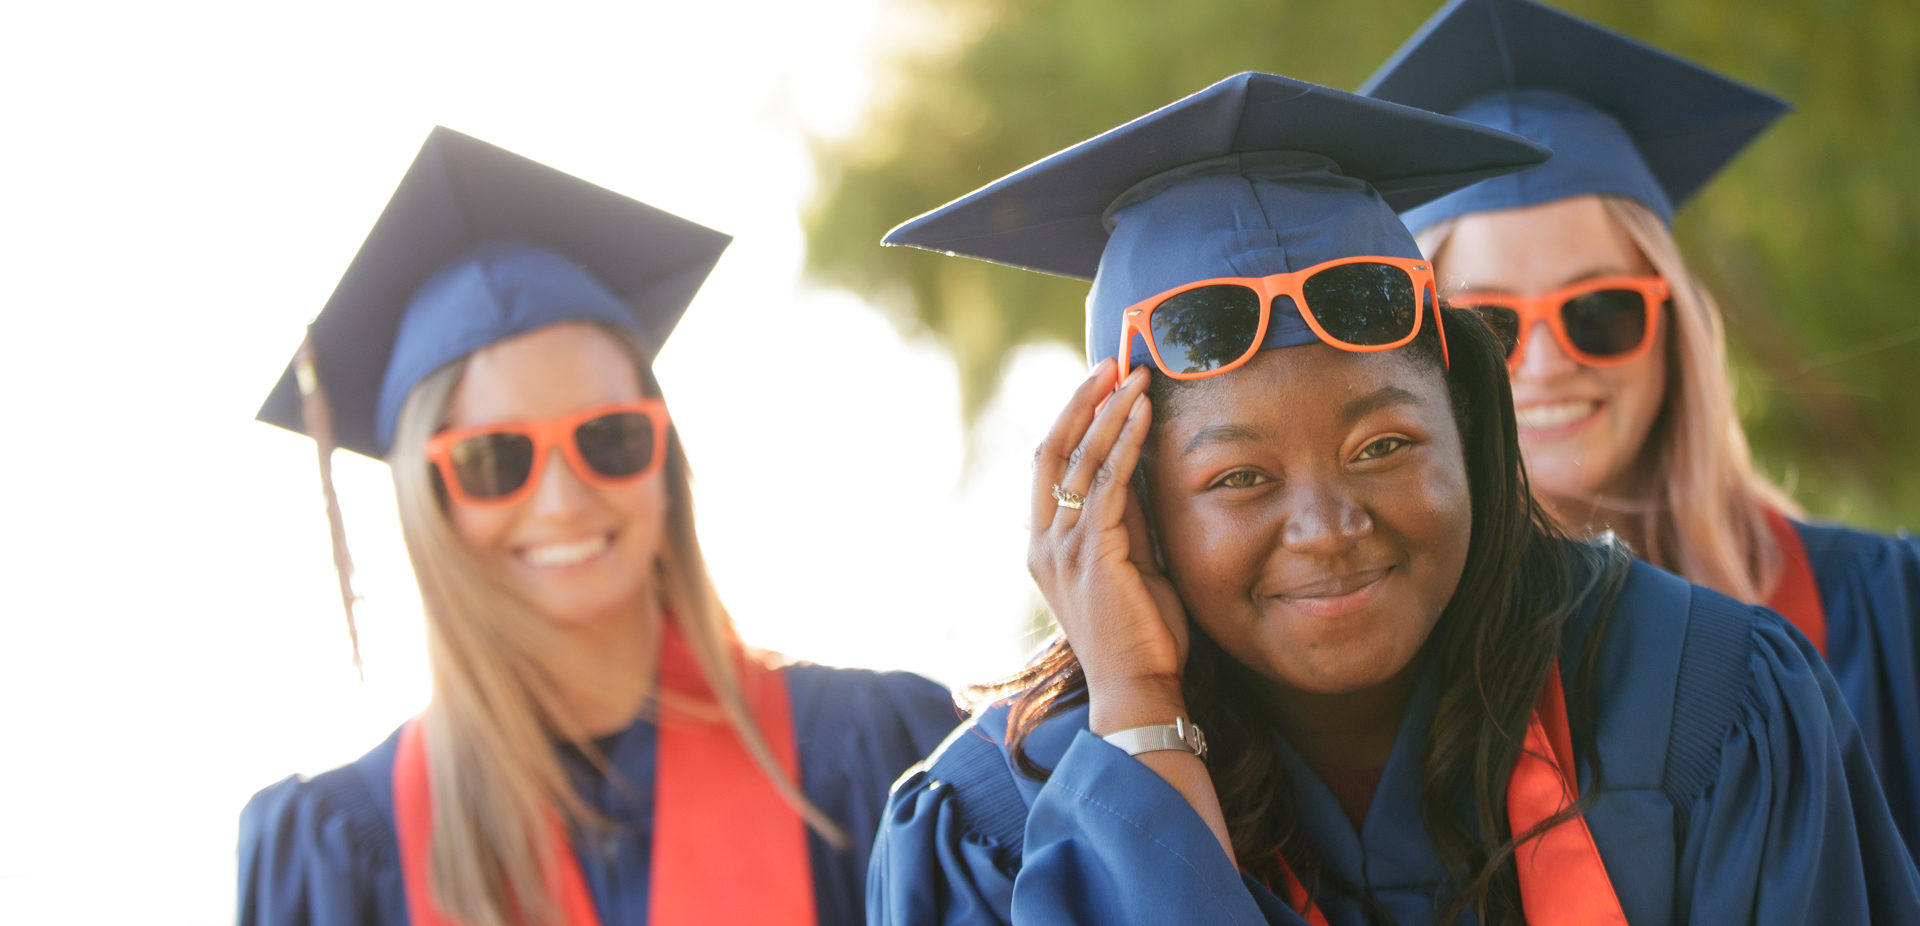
(1096, 565)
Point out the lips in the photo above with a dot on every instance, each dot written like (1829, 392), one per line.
(1336, 595)
(1547, 416)
(564, 554)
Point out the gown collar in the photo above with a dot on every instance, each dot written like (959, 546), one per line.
(1391, 849)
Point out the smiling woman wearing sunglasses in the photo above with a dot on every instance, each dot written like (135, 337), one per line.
(600, 747)
(1618, 356)
(1323, 661)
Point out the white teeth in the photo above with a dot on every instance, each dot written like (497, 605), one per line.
(548, 555)
(1557, 414)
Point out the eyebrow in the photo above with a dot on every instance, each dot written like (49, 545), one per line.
(1353, 411)
(1570, 281)
(1385, 396)
(1223, 434)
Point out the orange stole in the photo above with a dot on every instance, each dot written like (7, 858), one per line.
(1797, 597)
(1563, 881)
(727, 849)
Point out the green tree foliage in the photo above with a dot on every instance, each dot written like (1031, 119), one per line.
(1811, 239)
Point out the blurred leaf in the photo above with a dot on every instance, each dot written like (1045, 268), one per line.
(1810, 239)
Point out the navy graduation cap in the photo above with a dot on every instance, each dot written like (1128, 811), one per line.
(477, 245)
(1622, 117)
(1255, 175)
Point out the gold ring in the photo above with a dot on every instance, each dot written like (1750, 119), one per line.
(1068, 499)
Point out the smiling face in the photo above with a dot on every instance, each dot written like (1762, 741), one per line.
(578, 554)
(1313, 510)
(1581, 428)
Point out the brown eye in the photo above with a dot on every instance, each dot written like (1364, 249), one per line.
(1382, 447)
(1244, 479)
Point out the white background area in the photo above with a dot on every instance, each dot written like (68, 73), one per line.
(183, 185)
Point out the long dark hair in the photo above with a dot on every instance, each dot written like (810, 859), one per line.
(1492, 648)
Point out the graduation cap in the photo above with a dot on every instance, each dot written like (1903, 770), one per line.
(1255, 175)
(1622, 117)
(477, 245)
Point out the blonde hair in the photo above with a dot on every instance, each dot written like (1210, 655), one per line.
(1698, 502)
(496, 709)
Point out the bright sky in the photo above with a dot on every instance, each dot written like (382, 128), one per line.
(184, 184)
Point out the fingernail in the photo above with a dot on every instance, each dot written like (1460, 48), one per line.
(1138, 404)
(1100, 367)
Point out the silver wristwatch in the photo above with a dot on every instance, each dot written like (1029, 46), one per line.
(1180, 734)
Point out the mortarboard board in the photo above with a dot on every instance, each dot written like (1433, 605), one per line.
(477, 245)
(1255, 175)
(1622, 117)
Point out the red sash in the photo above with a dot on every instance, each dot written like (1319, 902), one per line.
(1562, 879)
(727, 849)
(1797, 597)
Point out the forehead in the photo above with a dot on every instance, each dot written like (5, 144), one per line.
(1294, 386)
(544, 373)
(1536, 248)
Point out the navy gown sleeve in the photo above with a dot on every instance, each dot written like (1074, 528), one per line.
(321, 851)
(1870, 590)
(1794, 828)
(856, 731)
(1104, 841)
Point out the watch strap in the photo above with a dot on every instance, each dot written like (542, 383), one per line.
(1179, 735)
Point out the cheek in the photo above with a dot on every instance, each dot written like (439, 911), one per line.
(643, 511)
(483, 530)
(1426, 520)
(1213, 555)
(1639, 390)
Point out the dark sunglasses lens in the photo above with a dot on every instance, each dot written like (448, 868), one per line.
(1607, 322)
(620, 444)
(1204, 329)
(1363, 304)
(1505, 324)
(492, 465)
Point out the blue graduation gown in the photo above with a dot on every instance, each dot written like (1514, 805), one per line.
(321, 851)
(1756, 803)
(1870, 589)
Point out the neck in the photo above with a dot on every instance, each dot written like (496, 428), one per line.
(1587, 518)
(607, 667)
(1620, 505)
(1350, 730)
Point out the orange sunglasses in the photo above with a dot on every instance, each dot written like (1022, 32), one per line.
(1210, 327)
(1603, 322)
(608, 446)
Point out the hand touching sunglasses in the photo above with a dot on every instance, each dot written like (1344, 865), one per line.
(498, 465)
(1603, 322)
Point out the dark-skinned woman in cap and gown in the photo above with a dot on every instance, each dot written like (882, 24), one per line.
(600, 746)
(1324, 659)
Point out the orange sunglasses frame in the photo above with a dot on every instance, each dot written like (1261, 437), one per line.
(545, 436)
(1547, 308)
(1139, 316)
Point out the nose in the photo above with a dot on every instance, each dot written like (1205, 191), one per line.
(1326, 521)
(1543, 359)
(560, 491)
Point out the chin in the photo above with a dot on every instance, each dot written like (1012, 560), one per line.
(1339, 667)
(1339, 677)
(580, 607)
(1566, 472)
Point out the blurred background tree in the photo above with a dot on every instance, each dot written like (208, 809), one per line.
(1809, 239)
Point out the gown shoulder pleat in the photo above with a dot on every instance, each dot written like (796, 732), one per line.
(1869, 586)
